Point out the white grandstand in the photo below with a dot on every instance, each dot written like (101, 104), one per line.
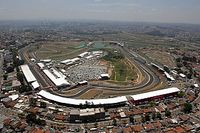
(72, 101)
(108, 101)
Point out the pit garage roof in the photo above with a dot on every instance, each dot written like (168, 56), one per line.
(27, 73)
(97, 52)
(89, 57)
(83, 82)
(182, 75)
(155, 93)
(83, 54)
(35, 85)
(160, 68)
(169, 76)
(105, 75)
(75, 59)
(41, 65)
(71, 101)
(46, 60)
(65, 61)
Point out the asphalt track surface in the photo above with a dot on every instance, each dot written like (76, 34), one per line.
(150, 78)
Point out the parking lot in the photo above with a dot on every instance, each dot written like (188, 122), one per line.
(85, 72)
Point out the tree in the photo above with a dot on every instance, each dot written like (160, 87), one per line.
(178, 59)
(96, 124)
(153, 116)
(152, 103)
(159, 116)
(179, 64)
(181, 94)
(147, 117)
(43, 105)
(167, 113)
(9, 69)
(22, 115)
(131, 119)
(5, 77)
(189, 75)
(17, 69)
(143, 119)
(20, 77)
(32, 102)
(40, 122)
(185, 63)
(50, 116)
(166, 69)
(24, 88)
(31, 118)
(114, 122)
(187, 108)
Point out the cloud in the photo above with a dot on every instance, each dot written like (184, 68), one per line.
(154, 9)
(3, 9)
(98, 0)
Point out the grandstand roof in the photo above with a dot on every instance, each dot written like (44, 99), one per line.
(27, 73)
(155, 93)
(72, 101)
(107, 101)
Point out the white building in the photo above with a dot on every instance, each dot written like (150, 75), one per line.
(27, 73)
(57, 78)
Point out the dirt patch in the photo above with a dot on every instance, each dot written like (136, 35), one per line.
(162, 57)
(91, 94)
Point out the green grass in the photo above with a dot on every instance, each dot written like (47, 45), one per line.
(123, 71)
(120, 70)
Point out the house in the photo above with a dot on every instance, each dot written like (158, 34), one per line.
(16, 84)
(137, 128)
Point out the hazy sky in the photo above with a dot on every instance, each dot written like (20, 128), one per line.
(184, 11)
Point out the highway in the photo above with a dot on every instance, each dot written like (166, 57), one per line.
(148, 83)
